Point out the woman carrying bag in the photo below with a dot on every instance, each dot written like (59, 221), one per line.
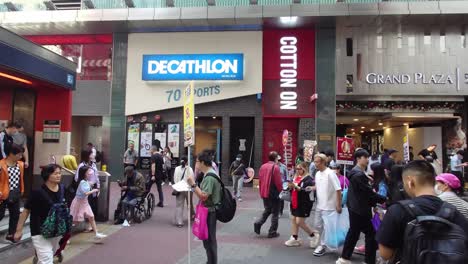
(301, 205)
(181, 173)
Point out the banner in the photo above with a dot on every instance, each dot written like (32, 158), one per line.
(406, 152)
(173, 139)
(344, 151)
(134, 135)
(309, 146)
(145, 140)
(189, 116)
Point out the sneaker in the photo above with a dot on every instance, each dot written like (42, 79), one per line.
(257, 228)
(160, 204)
(9, 239)
(162, 184)
(100, 236)
(273, 235)
(314, 241)
(239, 199)
(170, 184)
(343, 261)
(320, 251)
(126, 223)
(292, 242)
(361, 250)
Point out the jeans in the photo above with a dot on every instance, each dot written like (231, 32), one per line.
(128, 206)
(211, 245)
(181, 198)
(360, 224)
(272, 207)
(237, 184)
(14, 209)
(160, 190)
(45, 248)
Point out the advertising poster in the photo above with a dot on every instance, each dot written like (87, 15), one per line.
(134, 135)
(146, 139)
(173, 139)
(189, 116)
(406, 155)
(160, 138)
(309, 146)
(344, 151)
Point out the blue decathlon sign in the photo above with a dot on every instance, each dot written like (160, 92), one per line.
(175, 67)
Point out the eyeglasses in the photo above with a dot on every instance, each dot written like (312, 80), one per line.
(299, 169)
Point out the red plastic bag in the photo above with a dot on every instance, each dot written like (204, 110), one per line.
(200, 226)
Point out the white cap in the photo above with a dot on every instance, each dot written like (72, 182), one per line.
(279, 157)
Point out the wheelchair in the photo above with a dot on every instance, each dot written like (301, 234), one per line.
(142, 210)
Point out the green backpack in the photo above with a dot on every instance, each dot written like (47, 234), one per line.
(59, 220)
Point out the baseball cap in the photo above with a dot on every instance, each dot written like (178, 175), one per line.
(451, 180)
(391, 151)
(279, 157)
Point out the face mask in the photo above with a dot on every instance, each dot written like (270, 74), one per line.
(437, 191)
(238, 159)
(182, 163)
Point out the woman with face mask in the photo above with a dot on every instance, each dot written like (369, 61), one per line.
(181, 173)
(238, 172)
(445, 185)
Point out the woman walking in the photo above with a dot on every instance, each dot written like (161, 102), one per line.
(168, 156)
(87, 157)
(181, 173)
(80, 208)
(301, 205)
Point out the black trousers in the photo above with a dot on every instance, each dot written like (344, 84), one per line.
(281, 207)
(14, 210)
(158, 183)
(211, 245)
(357, 225)
(272, 207)
(459, 175)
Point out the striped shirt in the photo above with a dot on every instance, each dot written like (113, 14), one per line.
(453, 199)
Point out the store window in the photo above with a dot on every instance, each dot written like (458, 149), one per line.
(349, 47)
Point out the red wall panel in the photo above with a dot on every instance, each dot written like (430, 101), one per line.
(6, 101)
(272, 136)
(54, 104)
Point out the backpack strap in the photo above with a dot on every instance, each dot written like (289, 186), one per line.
(411, 208)
(446, 211)
(216, 177)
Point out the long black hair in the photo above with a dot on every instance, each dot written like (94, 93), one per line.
(379, 174)
(85, 156)
(82, 173)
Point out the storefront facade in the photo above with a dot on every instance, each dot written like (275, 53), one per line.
(402, 78)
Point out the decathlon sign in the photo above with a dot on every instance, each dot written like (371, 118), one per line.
(193, 67)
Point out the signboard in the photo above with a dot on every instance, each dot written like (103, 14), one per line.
(344, 151)
(189, 116)
(173, 139)
(51, 131)
(309, 146)
(134, 135)
(285, 137)
(289, 73)
(406, 152)
(178, 67)
(146, 140)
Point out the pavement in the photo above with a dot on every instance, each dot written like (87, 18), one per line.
(158, 241)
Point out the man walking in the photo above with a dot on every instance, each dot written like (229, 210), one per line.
(328, 200)
(130, 156)
(157, 173)
(6, 138)
(20, 139)
(237, 172)
(361, 199)
(270, 185)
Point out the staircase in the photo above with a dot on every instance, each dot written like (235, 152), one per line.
(4, 245)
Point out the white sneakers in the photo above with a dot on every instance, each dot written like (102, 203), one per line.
(314, 241)
(100, 236)
(293, 242)
(320, 251)
(343, 261)
(125, 223)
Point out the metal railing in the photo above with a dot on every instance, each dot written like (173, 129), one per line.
(35, 5)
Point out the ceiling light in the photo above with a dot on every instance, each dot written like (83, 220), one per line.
(352, 129)
(11, 77)
(363, 127)
(214, 117)
(372, 130)
(354, 133)
(288, 20)
(405, 124)
(355, 120)
(362, 131)
(380, 124)
(384, 127)
(196, 117)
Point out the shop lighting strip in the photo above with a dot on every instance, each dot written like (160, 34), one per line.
(11, 77)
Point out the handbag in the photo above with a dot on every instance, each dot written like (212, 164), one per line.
(285, 195)
(344, 194)
(174, 192)
(200, 225)
(274, 193)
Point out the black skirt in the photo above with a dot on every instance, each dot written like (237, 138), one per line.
(302, 210)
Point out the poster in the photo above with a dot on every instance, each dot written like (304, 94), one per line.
(344, 151)
(51, 131)
(161, 138)
(286, 139)
(189, 116)
(406, 155)
(173, 139)
(309, 146)
(145, 141)
(134, 135)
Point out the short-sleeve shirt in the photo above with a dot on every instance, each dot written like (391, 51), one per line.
(130, 156)
(20, 139)
(454, 162)
(83, 188)
(211, 187)
(158, 160)
(391, 231)
(327, 184)
(426, 153)
(38, 204)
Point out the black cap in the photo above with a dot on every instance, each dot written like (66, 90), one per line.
(391, 151)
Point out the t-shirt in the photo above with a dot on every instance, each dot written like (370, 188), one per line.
(5, 140)
(130, 156)
(426, 153)
(454, 162)
(39, 206)
(20, 139)
(158, 160)
(327, 184)
(392, 229)
(83, 188)
(211, 187)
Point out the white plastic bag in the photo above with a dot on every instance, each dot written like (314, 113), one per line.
(336, 227)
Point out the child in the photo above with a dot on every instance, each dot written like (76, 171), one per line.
(80, 208)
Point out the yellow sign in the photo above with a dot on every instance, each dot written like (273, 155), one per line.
(189, 116)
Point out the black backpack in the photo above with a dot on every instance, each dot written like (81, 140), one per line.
(225, 210)
(433, 238)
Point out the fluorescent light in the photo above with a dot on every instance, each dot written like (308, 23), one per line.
(355, 120)
(372, 130)
(214, 117)
(196, 117)
(288, 20)
(363, 127)
(352, 129)
(362, 131)
(405, 124)
(11, 77)
(380, 124)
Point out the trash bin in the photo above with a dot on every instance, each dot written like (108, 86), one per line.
(104, 196)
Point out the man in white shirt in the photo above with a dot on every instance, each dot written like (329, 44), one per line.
(328, 199)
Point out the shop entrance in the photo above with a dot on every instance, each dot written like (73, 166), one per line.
(242, 139)
(208, 135)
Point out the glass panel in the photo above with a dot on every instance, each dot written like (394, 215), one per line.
(190, 3)
(275, 2)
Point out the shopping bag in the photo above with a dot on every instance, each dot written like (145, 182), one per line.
(200, 226)
(376, 221)
(335, 228)
(285, 195)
